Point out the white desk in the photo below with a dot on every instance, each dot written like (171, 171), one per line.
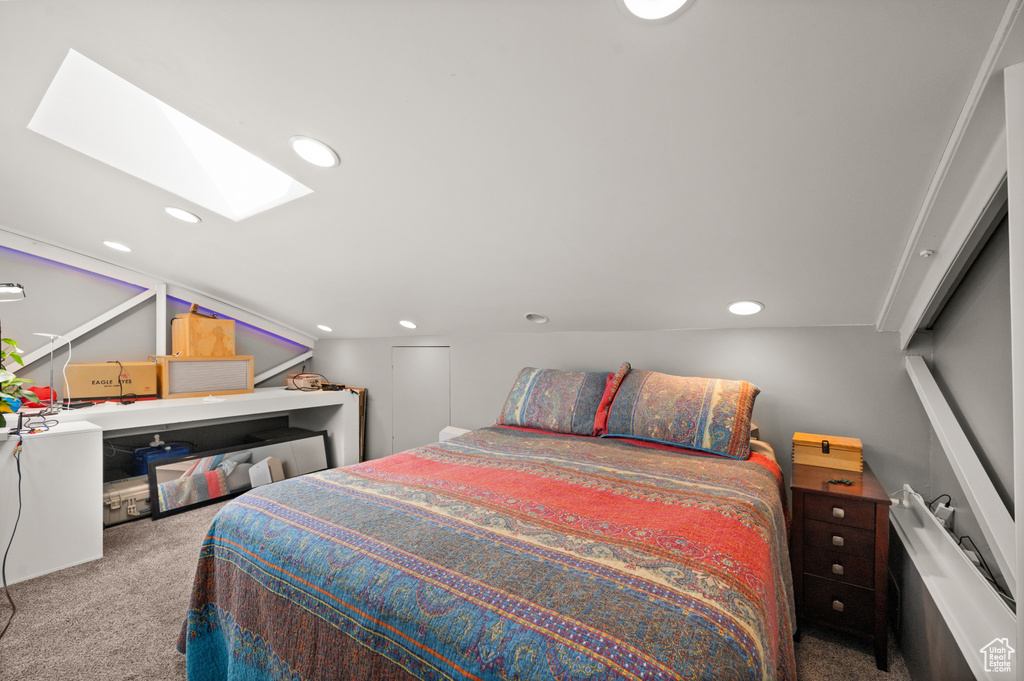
(337, 412)
(62, 469)
(62, 500)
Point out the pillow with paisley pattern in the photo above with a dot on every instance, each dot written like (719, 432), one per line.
(707, 414)
(558, 401)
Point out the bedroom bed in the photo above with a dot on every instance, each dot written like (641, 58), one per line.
(512, 552)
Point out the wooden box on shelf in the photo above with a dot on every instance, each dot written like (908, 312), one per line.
(199, 335)
(828, 451)
(839, 547)
(202, 376)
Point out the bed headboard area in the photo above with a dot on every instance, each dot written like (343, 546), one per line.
(710, 415)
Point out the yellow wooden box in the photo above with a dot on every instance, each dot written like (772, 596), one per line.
(828, 451)
(197, 335)
(202, 376)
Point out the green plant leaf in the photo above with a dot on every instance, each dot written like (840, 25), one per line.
(17, 358)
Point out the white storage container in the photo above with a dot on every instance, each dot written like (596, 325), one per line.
(125, 500)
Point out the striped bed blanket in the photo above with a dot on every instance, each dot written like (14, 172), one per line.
(501, 554)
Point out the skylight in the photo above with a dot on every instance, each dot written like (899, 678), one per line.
(101, 115)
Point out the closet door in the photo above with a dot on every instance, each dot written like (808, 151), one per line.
(421, 395)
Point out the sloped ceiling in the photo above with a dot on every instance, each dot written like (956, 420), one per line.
(501, 157)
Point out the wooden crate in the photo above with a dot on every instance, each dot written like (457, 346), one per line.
(198, 335)
(202, 376)
(828, 451)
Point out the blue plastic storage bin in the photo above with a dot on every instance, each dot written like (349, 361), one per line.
(142, 457)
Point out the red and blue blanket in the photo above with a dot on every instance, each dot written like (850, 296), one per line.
(501, 554)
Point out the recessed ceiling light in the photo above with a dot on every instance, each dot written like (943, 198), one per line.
(407, 324)
(536, 318)
(314, 151)
(324, 328)
(745, 307)
(182, 214)
(654, 10)
(117, 247)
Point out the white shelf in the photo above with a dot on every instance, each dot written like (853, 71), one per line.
(62, 468)
(148, 413)
(317, 410)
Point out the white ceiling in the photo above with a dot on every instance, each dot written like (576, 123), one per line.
(501, 157)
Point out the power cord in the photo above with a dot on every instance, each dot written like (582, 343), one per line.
(985, 570)
(3, 567)
(120, 385)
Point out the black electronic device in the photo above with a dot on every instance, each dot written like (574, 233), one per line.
(331, 386)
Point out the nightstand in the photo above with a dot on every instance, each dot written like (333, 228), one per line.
(839, 547)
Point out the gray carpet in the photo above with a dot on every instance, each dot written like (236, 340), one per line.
(119, 617)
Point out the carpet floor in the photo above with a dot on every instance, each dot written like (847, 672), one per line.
(119, 617)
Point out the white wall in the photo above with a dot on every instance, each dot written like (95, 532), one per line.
(834, 380)
(60, 298)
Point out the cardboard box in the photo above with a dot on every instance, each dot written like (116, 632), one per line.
(99, 381)
(828, 451)
(197, 335)
(265, 472)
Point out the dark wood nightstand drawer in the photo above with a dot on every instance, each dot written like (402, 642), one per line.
(841, 567)
(839, 548)
(839, 605)
(850, 540)
(853, 512)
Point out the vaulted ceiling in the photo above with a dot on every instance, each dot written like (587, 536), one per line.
(501, 157)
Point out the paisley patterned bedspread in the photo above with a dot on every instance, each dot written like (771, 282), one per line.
(501, 554)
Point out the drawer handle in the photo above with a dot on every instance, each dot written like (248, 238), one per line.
(838, 512)
(837, 569)
(837, 540)
(837, 606)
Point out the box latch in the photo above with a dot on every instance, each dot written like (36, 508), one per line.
(824, 446)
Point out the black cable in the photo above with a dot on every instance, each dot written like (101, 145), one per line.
(985, 570)
(948, 498)
(39, 422)
(122, 396)
(3, 567)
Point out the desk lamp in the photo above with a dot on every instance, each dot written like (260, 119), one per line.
(52, 337)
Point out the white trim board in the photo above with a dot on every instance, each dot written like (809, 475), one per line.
(64, 256)
(94, 323)
(970, 606)
(993, 518)
(1013, 82)
(903, 299)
